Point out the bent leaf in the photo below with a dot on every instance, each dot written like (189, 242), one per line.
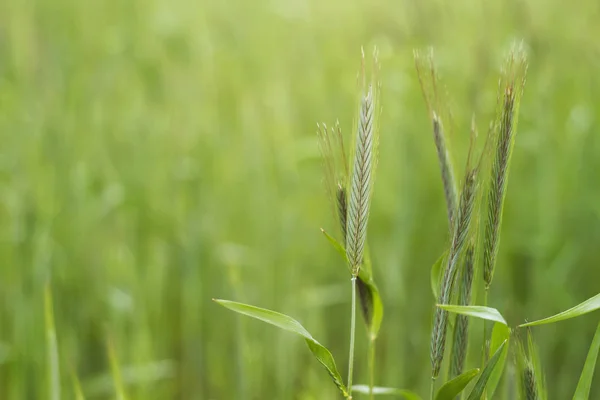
(488, 313)
(500, 335)
(585, 381)
(291, 325)
(436, 273)
(452, 388)
(481, 383)
(587, 306)
(407, 394)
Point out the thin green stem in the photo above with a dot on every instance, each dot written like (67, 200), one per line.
(371, 367)
(432, 388)
(352, 333)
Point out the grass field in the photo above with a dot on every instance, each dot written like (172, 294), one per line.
(156, 154)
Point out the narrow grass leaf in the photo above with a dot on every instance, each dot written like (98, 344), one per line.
(500, 335)
(78, 392)
(402, 393)
(585, 380)
(336, 245)
(289, 324)
(116, 372)
(454, 387)
(51, 347)
(481, 383)
(491, 314)
(436, 274)
(587, 306)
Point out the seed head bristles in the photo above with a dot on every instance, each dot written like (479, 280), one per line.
(529, 383)
(503, 132)
(335, 163)
(361, 184)
(461, 232)
(461, 327)
(435, 105)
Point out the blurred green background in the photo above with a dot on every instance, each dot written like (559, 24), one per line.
(155, 154)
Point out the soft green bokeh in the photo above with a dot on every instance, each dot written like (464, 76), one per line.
(155, 154)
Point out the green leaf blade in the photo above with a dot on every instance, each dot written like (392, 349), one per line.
(591, 304)
(454, 387)
(481, 383)
(282, 321)
(335, 244)
(500, 335)
(406, 394)
(585, 380)
(488, 313)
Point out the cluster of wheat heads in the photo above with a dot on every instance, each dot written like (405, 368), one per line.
(468, 261)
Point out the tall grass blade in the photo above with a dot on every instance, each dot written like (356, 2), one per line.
(481, 383)
(585, 380)
(405, 394)
(282, 321)
(500, 335)
(116, 372)
(454, 387)
(587, 306)
(78, 392)
(51, 347)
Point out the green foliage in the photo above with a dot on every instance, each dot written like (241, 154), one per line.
(492, 364)
(156, 154)
(455, 386)
(289, 324)
(499, 340)
(585, 380)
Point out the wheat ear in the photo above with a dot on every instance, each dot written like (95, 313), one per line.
(461, 232)
(511, 87)
(361, 184)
